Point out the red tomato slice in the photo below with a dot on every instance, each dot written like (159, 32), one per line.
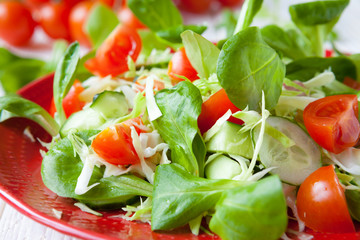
(16, 23)
(114, 144)
(214, 108)
(112, 56)
(71, 102)
(180, 65)
(333, 123)
(321, 203)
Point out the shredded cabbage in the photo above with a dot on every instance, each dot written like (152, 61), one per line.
(142, 212)
(146, 169)
(152, 108)
(85, 208)
(217, 126)
(57, 214)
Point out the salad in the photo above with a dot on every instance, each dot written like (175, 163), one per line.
(237, 138)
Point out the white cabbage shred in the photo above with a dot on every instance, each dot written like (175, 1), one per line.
(152, 108)
(28, 134)
(85, 208)
(57, 214)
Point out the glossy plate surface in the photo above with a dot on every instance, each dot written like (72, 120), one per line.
(22, 187)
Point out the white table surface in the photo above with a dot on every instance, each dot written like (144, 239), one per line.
(14, 225)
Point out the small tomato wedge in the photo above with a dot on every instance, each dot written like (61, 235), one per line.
(332, 122)
(214, 108)
(114, 144)
(112, 56)
(71, 102)
(180, 65)
(321, 203)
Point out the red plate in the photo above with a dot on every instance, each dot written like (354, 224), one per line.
(22, 187)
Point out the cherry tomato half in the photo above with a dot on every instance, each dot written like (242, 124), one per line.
(16, 23)
(54, 20)
(332, 122)
(321, 203)
(214, 108)
(77, 20)
(112, 56)
(71, 102)
(114, 144)
(180, 65)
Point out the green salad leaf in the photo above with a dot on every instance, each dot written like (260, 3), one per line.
(257, 211)
(290, 43)
(316, 20)
(306, 68)
(355, 58)
(248, 11)
(156, 14)
(24, 108)
(247, 66)
(64, 77)
(11, 78)
(60, 170)
(179, 197)
(180, 107)
(353, 202)
(100, 23)
(201, 53)
(173, 34)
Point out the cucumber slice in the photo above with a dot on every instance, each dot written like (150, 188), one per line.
(293, 164)
(110, 104)
(228, 140)
(82, 120)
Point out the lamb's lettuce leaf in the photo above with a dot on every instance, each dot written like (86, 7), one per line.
(316, 20)
(306, 68)
(163, 18)
(248, 11)
(201, 53)
(181, 107)
(65, 76)
(290, 43)
(60, 170)
(24, 108)
(242, 211)
(179, 197)
(247, 66)
(99, 24)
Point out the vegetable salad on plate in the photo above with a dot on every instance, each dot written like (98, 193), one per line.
(238, 138)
